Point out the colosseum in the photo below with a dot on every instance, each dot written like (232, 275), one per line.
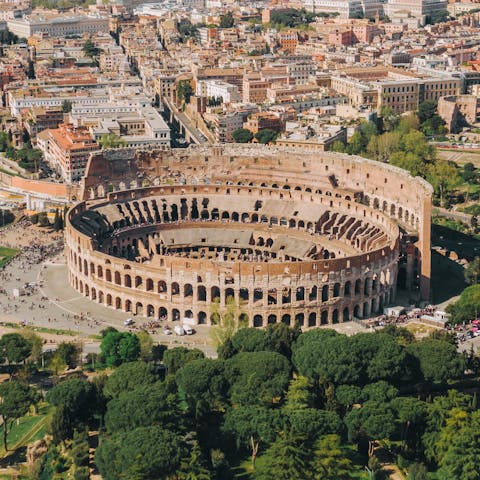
(263, 234)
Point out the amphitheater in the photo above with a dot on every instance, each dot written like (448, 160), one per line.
(259, 234)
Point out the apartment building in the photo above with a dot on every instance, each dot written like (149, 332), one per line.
(67, 150)
(218, 89)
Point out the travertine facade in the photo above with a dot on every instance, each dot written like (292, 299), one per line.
(284, 235)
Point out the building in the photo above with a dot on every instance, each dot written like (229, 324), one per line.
(416, 8)
(67, 150)
(57, 24)
(38, 119)
(276, 242)
(262, 120)
(218, 89)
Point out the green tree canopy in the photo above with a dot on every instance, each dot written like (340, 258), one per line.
(120, 347)
(257, 377)
(14, 349)
(147, 453)
(242, 135)
(438, 360)
(203, 380)
(267, 135)
(15, 400)
(146, 405)
(467, 307)
(127, 377)
(175, 358)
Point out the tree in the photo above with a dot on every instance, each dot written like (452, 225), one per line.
(227, 20)
(120, 347)
(184, 91)
(192, 467)
(257, 377)
(417, 471)
(252, 426)
(330, 461)
(444, 177)
(68, 353)
(426, 110)
(16, 399)
(57, 221)
(61, 425)
(439, 360)
(128, 377)
(67, 106)
(287, 458)
(77, 397)
(411, 415)
(459, 446)
(14, 349)
(176, 358)
(373, 421)
(90, 50)
(472, 272)
(312, 422)
(147, 453)
(146, 346)
(36, 342)
(249, 340)
(203, 380)
(467, 307)
(390, 119)
(242, 135)
(146, 405)
(31, 70)
(267, 135)
(110, 140)
(299, 394)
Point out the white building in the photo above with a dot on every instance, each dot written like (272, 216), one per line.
(57, 25)
(216, 88)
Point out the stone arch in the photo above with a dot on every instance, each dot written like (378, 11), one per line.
(117, 277)
(93, 294)
(161, 286)
(335, 318)
(258, 321)
(108, 275)
(150, 311)
(128, 306)
(202, 318)
(175, 288)
(336, 290)
(286, 319)
(272, 318)
(345, 315)
(347, 288)
(127, 280)
(324, 293)
(324, 317)
(312, 319)
(187, 290)
(149, 285)
(139, 308)
(163, 313)
(138, 281)
(300, 319)
(201, 293)
(215, 294)
(358, 286)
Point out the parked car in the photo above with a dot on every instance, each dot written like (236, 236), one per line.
(167, 331)
(128, 322)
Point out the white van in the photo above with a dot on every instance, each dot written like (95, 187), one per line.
(179, 330)
(188, 329)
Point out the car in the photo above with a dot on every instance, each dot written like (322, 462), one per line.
(167, 331)
(128, 322)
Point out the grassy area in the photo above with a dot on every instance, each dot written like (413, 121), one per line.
(28, 429)
(6, 254)
(419, 329)
(54, 331)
